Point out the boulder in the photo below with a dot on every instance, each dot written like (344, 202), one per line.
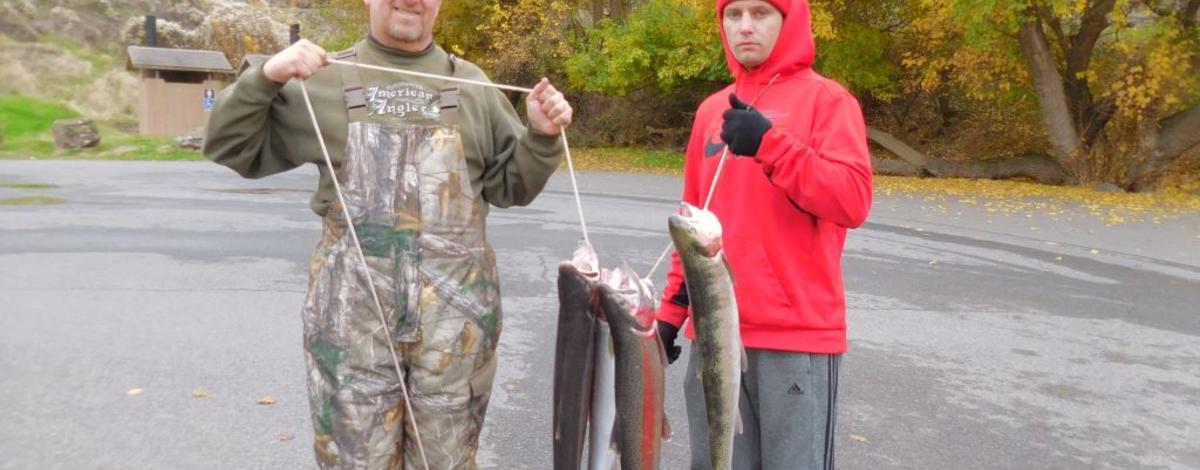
(171, 35)
(75, 134)
(189, 142)
(16, 24)
(238, 30)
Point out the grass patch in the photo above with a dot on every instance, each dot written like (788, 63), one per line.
(31, 201)
(25, 119)
(28, 186)
(26, 124)
(633, 160)
(121, 147)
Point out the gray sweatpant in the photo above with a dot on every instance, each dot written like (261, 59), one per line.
(788, 405)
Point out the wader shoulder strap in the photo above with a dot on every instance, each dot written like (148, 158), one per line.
(352, 89)
(448, 101)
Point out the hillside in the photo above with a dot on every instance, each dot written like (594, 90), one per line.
(73, 51)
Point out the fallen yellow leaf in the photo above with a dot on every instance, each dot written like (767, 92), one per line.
(284, 437)
(267, 400)
(133, 392)
(857, 438)
(200, 393)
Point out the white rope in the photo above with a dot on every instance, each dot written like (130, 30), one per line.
(430, 75)
(366, 270)
(566, 147)
(575, 187)
(712, 189)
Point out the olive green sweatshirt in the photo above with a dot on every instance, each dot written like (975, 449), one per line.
(260, 127)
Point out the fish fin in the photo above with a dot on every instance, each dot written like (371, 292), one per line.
(614, 444)
(666, 430)
(662, 349)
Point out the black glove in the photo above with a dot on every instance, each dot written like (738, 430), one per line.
(667, 333)
(744, 128)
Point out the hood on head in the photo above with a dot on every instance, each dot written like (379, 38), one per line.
(794, 50)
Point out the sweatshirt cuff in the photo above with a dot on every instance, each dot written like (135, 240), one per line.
(542, 145)
(672, 313)
(256, 87)
(771, 150)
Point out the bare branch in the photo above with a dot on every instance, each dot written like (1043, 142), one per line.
(1047, 17)
(1083, 43)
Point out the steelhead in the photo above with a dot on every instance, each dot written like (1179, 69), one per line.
(602, 452)
(640, 364)
(573, 356)
(714, 315)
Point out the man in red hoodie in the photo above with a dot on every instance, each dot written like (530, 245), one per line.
(797, 176)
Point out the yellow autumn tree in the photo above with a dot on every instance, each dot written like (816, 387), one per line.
(1114, 81)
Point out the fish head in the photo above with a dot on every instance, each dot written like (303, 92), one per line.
(695, 230)
(631, 299)
(585, 261)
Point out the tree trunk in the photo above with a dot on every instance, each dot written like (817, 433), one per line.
(616, 10)
(912, 162)
(597, 12)
(1090, 118)
(914, 157)
(1175, 136)
(1052, 97)
(1190, 10)
(1041, 168)
(894, 167)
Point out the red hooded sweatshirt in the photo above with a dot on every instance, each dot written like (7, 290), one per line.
(784, 212)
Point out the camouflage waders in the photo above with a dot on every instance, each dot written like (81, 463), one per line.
(421, 228)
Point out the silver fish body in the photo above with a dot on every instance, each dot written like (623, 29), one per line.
(696, 234)
(601, 453)
(573, 356)
(640, 364)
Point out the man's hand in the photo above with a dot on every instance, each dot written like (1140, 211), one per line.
(744, 128)
(667, 333)
(548, 110)
(300, 60)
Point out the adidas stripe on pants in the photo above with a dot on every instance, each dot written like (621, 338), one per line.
(788, 407)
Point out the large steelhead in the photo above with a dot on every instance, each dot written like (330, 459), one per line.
(697, 237)
(602, 455)
(640, 362)
(573, 356)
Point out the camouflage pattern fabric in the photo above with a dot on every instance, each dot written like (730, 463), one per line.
(422, 232)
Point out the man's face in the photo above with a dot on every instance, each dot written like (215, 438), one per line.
(403, 24)
(751, 28)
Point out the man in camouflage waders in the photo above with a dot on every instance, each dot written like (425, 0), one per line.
(419, 161)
